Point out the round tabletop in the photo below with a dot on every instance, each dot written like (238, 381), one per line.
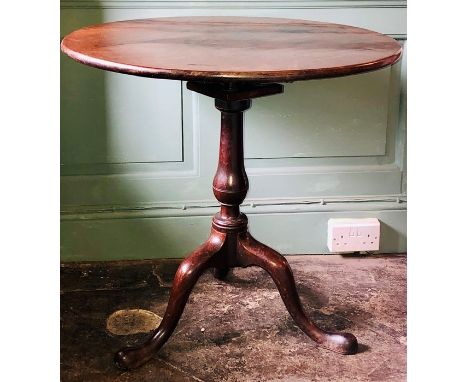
(225, 49)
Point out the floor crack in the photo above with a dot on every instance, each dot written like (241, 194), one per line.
(181, 370)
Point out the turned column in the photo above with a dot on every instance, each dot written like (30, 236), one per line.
(230, 183)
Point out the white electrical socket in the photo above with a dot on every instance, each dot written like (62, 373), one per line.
(353, 235)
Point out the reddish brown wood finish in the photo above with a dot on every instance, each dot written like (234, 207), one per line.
(186, 276)
(230, 245)
(229, 49)
(231, 59)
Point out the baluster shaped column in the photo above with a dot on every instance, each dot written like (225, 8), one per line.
(230, 184)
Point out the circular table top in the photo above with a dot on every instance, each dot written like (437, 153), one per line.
(227, 49)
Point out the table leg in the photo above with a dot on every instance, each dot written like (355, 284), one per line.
(252, 252)
(186, 276)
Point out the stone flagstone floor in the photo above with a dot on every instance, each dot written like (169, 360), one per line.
(238, 329)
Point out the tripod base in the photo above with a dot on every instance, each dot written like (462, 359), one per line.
(223, 250)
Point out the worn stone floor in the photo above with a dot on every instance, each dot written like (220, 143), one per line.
(238, 329)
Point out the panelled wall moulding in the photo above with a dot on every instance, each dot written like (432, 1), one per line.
(177, 170)
(213, 4)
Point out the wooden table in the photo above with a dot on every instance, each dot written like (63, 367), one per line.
(233, 60)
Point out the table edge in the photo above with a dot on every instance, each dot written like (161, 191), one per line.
(216, 76)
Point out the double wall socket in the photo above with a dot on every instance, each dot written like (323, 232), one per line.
(353, 235)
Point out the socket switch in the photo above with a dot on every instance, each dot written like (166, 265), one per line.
(353, 235)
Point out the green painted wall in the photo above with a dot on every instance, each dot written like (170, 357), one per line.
(138, 155)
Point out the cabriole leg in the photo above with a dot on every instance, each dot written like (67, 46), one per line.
(252, 252)
(187, 275)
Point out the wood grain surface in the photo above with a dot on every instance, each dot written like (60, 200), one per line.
(231, 48)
